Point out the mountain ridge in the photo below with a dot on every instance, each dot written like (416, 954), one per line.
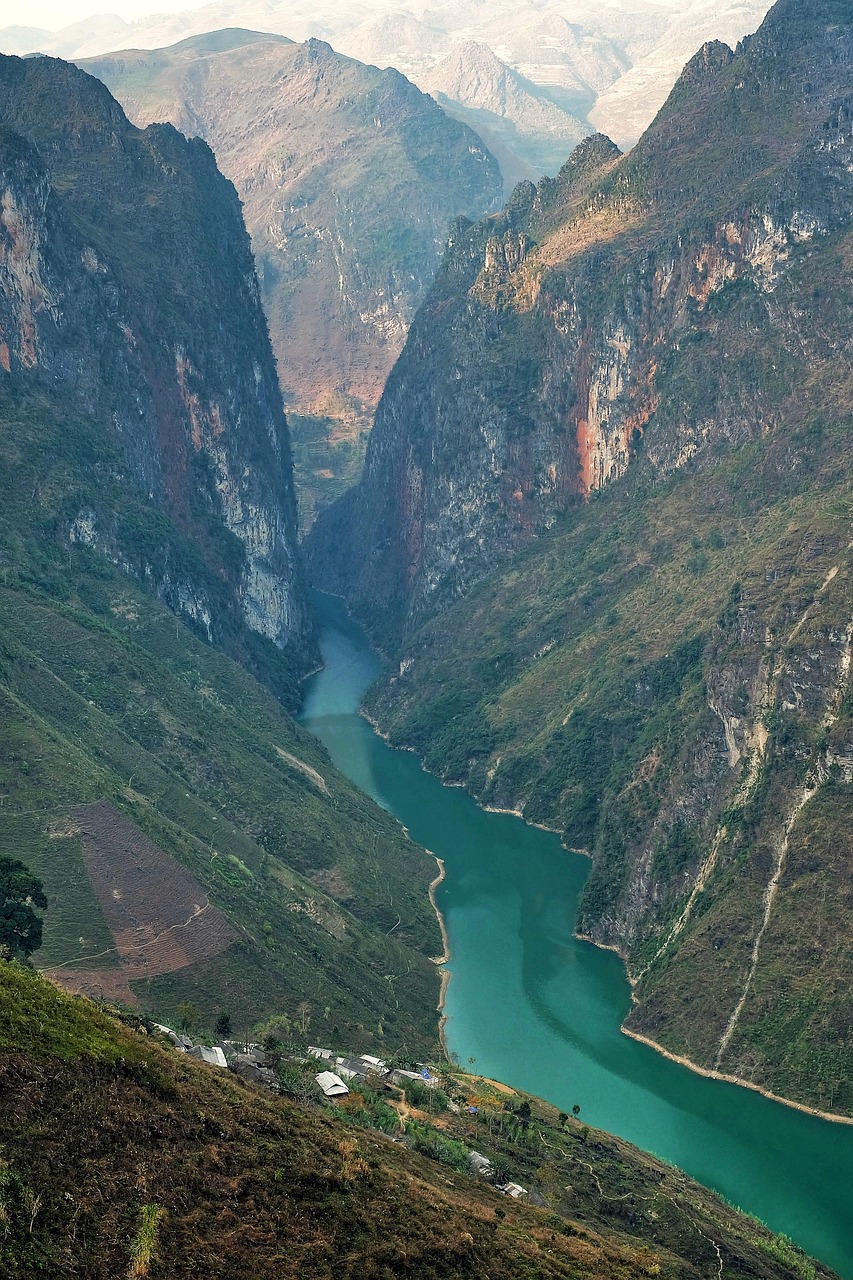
(605, 507)
(341, 270)
(147, 528)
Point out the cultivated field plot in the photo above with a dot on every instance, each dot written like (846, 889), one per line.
(160, 917)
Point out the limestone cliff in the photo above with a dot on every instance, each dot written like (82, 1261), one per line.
(128, 295)
(604, 529)
(350, 178)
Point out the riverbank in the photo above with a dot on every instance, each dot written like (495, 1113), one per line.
(706, 1072)
(710, 1074)
(445, 975)
(542, 1011)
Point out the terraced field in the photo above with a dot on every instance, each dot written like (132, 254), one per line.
(160, 918)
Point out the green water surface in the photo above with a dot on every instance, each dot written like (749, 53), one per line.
(540, 1010)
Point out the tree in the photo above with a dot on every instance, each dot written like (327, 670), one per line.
(276, 1031)
(223, 1024)
(303, 1016)
(187, 1015)
(20, 893)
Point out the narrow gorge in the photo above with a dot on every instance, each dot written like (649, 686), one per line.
(606, 511)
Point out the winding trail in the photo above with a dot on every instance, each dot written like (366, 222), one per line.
(769, 899)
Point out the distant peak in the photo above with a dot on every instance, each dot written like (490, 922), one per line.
(712, 58)
(226, 39)
(318, 48)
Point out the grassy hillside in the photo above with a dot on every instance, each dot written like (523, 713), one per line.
(120, 1158)
(658, 679)
(606, 508)
(107, 698)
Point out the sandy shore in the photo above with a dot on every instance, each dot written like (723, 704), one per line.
(445, 974)
(442, 872)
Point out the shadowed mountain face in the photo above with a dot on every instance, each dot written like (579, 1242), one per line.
(124, 262)
(350, 178)
(606, 512)
(194, 843)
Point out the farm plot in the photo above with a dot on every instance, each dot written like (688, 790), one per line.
(160, 918)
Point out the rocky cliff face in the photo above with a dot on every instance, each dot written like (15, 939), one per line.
(350, 178)
(534, 375)
(606, 513)
(128, 295)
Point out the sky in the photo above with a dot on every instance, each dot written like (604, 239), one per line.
(52, 15)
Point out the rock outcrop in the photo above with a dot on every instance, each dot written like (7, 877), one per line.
(128, 296)
(604, 530)
(350, 178)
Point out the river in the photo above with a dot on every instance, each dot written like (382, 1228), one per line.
(536, 1008)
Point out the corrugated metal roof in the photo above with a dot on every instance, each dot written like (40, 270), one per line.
(332, 1085)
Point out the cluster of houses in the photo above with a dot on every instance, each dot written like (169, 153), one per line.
(362, 1068)
(247, 1061)
(250, 1063)
(366, 1067)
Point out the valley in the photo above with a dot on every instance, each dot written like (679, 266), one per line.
(426, 631)
(606, 507)
(529, 1004)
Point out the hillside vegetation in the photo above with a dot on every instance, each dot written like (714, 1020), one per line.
(120, 1158)
(107, 699)
(607, 506)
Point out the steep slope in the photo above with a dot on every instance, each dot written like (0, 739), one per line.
(119, 1158)
(194, 843)
(528, 133)
(636, 382)
(124, 263)
(625, 107)
(350, 178)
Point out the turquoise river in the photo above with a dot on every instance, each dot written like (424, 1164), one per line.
(540, 1010)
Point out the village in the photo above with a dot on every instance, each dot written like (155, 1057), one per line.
(417, 1097)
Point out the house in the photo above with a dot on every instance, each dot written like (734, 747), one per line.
(401, 1077)
(513, 1189)
(375, 1065)
(213, 1057)
(325, 1054)
(479, 1164)
(354, 1068)
(332, 1085)
(244, 1065)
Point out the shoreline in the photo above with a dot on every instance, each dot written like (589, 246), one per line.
(708, 1073)
(694, 1067)
(442, 960)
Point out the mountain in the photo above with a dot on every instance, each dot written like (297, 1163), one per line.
(624, 107)
(98, 219)
(194, 843)
(527, 132)
(606, 512)
(350, 178)
(122, 1158)
(627, 53)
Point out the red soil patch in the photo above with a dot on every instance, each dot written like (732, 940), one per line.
(160, 917)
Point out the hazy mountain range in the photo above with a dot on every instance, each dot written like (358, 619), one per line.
(350, 178)
(610, 64)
